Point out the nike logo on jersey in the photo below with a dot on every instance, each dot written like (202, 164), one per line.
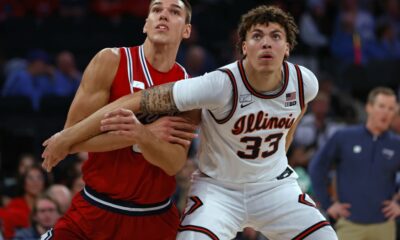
(245, 104)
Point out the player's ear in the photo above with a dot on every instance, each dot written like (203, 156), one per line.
(244, 48)
(287, 50)
(186, 31)
(145, 26)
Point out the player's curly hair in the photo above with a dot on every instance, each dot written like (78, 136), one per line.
(267, 14)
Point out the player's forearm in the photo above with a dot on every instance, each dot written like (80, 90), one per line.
(102, 143)
(153, 100)
(90, 126)
(167, 156)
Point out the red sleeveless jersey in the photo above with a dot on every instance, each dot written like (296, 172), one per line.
(124, 174)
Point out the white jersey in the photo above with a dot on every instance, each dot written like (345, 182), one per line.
(243, 132)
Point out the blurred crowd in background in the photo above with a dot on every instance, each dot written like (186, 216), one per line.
(351, 45)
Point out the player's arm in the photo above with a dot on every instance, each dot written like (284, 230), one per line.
(310, 89)
(169, 157)
(158, 99)
(92, 94)
(172, 129)
(292, 130)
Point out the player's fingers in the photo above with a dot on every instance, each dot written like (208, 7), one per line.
(115, 112)
(121, 133)
(115, 127)
(126, 112)
(118, 120)
(44, 164)
(177, 119)
(180, 141)
(184, 135)
(184, 126)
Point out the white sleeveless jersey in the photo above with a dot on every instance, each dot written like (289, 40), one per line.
(248, 145)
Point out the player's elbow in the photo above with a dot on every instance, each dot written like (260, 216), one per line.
(175, 165)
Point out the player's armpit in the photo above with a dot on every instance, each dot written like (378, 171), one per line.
(289, 136)
(158, 100)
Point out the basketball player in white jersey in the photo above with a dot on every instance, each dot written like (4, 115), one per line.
(250, 109)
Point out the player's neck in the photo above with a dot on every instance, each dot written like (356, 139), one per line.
(161, 56)
(265, 81)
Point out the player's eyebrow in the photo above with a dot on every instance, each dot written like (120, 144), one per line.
(160, 4)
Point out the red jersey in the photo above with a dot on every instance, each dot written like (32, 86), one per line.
(124, 174)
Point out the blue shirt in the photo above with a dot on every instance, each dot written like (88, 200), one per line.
(366, 169)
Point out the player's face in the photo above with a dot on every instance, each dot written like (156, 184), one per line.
(382, 111)
(265, 46)
(165, 23)
(47, 213)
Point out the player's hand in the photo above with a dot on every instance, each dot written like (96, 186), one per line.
(173, 129)
(391, 209)
(122, 122)
(56, 149)
(338, 210)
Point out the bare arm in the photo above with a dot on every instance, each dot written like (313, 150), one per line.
(172, 129)
(92, 94)
(144, 101)
(169, 157)
(289, 136)
(61, 144)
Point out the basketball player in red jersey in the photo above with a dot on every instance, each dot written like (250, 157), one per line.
(127, 196)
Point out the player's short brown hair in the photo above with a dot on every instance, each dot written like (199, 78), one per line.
(188, 9)
(379, 90)
(267, 14)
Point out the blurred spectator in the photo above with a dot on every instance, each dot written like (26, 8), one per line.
(298, 159)
(316, 126)
(73, 8)
(388, 43)
(45, 214)
(61, 194)
(32, 184)
(11, 9)
(342, 107)
(67, 77)
(77, 184)
(353, 37)
(109, 8)
(31, 81)
(198, 61)
(366, 159)
(26, 161)
(41, 8)
(311, 25)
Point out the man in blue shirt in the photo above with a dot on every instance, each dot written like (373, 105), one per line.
(366, 158)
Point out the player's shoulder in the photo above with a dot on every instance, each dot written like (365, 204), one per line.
(310, 81)
(307, 75)
(108, 54)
